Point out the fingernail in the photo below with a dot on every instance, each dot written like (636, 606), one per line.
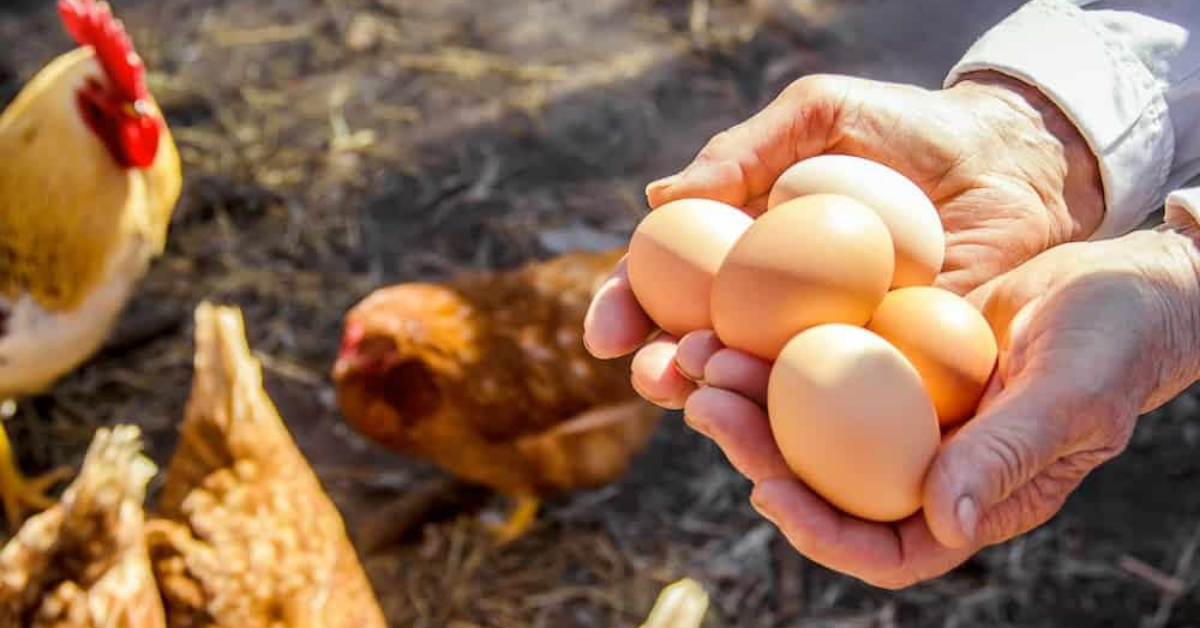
(967, 512)
(662, 403)
(699, 381)
(760, 505)
(587, 346)
(663, 183)
(696, 425)
(589, 323)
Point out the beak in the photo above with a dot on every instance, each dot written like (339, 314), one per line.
(349, 356)
(359, 353)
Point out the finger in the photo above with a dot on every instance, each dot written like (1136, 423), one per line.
(891, 556)
(695, 350)
(740, 428)
(739, 372)
(989, 459)
(1034, 503)
(654, 376)
(744, 161)
(978, 277)
(615, 324)
(994, 388)
(756, 206)
(971, 261)
(978, 296)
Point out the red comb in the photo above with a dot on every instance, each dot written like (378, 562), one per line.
(92, 24)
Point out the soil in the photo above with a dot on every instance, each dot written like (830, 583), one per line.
(335, 146)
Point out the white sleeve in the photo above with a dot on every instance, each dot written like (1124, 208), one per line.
(1127, 73)
(1181, 203)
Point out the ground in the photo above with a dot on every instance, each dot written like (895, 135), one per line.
(334, 146)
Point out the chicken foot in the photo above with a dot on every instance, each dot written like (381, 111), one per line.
(589, 450)
(21, 494)
(522, 517)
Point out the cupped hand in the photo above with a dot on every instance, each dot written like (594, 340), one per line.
(1009, 174)
(1091, 336)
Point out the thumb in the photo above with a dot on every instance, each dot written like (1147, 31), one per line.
(738, 166)
(992, 456)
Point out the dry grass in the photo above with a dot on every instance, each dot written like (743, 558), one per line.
(332, 146)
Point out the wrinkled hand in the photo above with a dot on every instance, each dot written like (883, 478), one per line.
(1091, 335)
(1009, 174)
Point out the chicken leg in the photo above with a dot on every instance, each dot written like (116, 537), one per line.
(588, 450)
(522, 516)
(19, 493)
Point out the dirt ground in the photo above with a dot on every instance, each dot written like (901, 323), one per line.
(334, 146)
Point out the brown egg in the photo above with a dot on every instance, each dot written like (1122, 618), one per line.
(673, 255)
(911, 218)
(813, 260)
(948, 341)
(853, 421)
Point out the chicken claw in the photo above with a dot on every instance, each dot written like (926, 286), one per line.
(520, 519)
(21, 494)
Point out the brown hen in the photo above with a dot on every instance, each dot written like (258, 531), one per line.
(83, 562)
(487, 377)
(249, 538)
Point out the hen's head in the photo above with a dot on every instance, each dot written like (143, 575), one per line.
(117, 106)
(404, 351)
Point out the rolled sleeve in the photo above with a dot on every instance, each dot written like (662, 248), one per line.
(1087, 68)
(1183, 205)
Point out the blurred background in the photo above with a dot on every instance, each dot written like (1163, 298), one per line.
(334, 146)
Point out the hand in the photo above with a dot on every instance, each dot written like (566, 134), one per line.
(1009, 174)
(1091, 335)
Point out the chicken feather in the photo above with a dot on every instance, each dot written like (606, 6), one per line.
(248, 538)
(64, 217)
(88, 182)
(83, 563)
(487, 376)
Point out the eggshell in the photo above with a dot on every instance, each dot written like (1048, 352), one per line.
(853, 421)
(912, 220)
(673, 255)
(948, 341)
(813, 260)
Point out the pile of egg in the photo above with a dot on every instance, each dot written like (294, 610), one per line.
(832, 286)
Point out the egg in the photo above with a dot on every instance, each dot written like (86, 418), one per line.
(813, 260)
(673, 255)
(853, 421)
(947, 339)
(912, 220)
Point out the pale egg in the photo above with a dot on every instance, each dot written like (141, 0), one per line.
(853, 421)
(949, 342)
(813, 260)
(674, 254)
(912, 220)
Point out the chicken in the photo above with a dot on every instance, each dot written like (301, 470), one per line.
(88, 182)
(487, 377)
(248, 538)
(83, 563)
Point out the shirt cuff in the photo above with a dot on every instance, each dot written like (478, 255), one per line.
(1114, 101)
(1183, 204)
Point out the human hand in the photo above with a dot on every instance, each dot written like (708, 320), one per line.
(1091, 335)
(1009, 174)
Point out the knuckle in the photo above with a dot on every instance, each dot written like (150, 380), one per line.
(1005, 457)
(1103, 423)
(719, 144)
(1036, 502)
(811, 84)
